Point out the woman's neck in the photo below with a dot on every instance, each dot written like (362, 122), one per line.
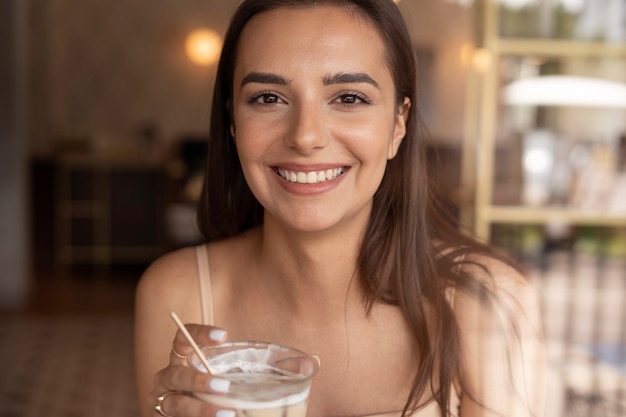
(319, 267)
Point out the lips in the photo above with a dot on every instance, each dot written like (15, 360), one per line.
(310, 177)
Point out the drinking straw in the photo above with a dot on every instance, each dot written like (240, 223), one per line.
(192, 342)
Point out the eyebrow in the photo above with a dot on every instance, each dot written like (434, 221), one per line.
(264, 78)
(340, 78)
(343, 78)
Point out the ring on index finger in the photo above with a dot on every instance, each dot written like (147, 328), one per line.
(178, 354)
(159, 405)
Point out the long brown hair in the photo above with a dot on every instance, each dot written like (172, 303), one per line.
(411, 250)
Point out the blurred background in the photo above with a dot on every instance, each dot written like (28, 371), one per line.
(103, 126)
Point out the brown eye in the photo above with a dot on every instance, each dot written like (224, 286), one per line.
(349, 99)
(352, 99)
(265, 98)
(269, 98)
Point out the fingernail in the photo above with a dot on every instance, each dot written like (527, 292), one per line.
(318, 360)
(219, 385)
(217, 335)
(225, 413)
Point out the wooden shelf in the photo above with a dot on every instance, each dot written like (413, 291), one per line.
(534, 215)
(481, 131)
(558, 48)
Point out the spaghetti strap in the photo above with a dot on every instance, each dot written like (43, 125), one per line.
(204, 279)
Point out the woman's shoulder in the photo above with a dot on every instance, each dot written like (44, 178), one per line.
(496, 270)
(493, 287)
(172, 270)
(505, 278)
(230, 253)
(169, 280)
(177, 271)
(501, 333)
(171, 267)
(479, 272)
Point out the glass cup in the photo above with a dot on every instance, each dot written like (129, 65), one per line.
(266, 380)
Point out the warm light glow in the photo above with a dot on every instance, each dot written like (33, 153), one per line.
(563, 90)
(203, 46)
(481, 59)
(467, 49)
(478, 58)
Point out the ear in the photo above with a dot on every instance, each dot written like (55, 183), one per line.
(399, 129)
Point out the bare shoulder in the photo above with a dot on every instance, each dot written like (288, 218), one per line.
(169, 282)
(228, 256)
(502, 340)
(499, 276)
(170, 269)
(509, 291)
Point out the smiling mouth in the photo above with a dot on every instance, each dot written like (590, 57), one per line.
(311, 177)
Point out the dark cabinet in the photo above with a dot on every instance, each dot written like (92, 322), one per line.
(108, 210)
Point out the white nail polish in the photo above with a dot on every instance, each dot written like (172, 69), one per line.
(225, 413)
(217, 335)
(219, 385)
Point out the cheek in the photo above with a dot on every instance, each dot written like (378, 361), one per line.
(249, 141)
(257, 133)
(249, 157)
(255, 147)
(368, 139)
(247, 150)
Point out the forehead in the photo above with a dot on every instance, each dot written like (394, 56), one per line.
(311, 36)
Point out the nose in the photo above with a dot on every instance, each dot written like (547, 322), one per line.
(307, 132)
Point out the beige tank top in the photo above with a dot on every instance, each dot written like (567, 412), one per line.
(206, 297)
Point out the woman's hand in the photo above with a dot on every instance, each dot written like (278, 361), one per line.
(173, 385)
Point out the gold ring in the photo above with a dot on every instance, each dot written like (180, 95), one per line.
(159, 405)
(178, 354)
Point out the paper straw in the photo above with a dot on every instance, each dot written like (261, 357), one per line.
(192, 342)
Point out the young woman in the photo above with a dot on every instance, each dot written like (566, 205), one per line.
(325, 235)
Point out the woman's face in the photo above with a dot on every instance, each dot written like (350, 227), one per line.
(315, 115)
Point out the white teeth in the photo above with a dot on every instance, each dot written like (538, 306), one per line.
(312, 177)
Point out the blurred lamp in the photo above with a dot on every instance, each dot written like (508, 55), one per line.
(565, 90)
(203, 46)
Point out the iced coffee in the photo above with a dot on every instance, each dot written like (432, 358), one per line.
(267, 380)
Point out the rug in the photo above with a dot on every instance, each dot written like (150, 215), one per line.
(67, 367)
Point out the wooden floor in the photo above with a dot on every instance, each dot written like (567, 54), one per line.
(78, 365)
(76, 330)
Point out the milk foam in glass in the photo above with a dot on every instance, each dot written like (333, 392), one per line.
(267, 380)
